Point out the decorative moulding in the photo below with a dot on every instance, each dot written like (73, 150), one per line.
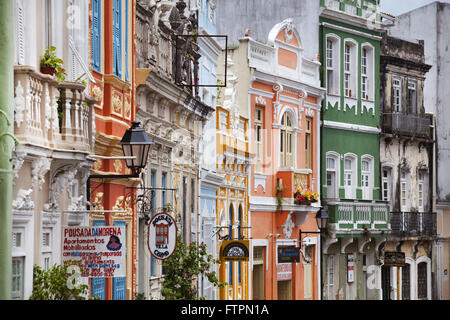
(260, 180)
(24, 200)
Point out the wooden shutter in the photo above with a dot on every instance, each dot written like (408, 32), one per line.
(98, 284)
(117, 38)
(96, 31)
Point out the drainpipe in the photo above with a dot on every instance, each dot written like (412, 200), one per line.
(6, 144)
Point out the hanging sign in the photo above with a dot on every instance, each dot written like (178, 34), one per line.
(162, 236)
(394, 259)
(234, 250)
(350, 267)
(98, 250)
(289, 254)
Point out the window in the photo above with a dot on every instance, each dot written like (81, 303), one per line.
(349, 70)
(308, 148)
(403, 191)
(367, 75)
(117, 38)
(397, 95)
(184, 209)
(286, 141)
(420, 191)
(364, 75)
(163, 185)
(412, 97)
(17, 278)
(259, 124)
(349, 177)
(332, 64)
(386, 184)
(331, 177)
(192, 195)
(96, 35)
(366, 178)
(46, 248)
(330, 277)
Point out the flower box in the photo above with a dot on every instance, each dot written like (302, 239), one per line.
(305, 197)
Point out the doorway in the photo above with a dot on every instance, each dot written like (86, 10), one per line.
(386, 282)
(284, 290)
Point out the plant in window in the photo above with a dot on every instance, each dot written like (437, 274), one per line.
(51, 64)
(304, 196)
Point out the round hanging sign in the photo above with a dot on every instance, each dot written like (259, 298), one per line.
(162, 236)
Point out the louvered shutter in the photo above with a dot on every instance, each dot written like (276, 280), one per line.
(117, 39)
(96, 31)
(98, 284)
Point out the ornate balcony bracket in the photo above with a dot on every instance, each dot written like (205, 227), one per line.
(345, 242)
(327, 242)
(361, 243)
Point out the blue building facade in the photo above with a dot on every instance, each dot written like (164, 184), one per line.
(210, 181)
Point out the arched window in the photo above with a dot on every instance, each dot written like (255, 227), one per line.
(287, 141)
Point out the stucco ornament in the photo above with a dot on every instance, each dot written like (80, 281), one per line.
(288, 226)
(289, 30)
(24, 200)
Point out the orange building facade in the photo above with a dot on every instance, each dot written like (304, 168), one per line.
(284, 106)
(112, 64)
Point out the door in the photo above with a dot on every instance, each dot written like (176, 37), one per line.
(422, 285)
(331, 184)
(386, 282)
(284, 290)
(258, 273)
(406, 277)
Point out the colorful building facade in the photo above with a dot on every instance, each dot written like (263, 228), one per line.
(233, 159)
(281, 92)
(359, 220)
(407, 165)
(113, 64)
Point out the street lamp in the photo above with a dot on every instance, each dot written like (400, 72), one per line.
(135, 146)
(322, 219)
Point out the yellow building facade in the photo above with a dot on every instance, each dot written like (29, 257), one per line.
(233, 160)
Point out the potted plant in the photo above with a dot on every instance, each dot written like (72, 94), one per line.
(305, 196)
(51, 64)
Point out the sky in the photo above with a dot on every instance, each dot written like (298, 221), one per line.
(398, 7)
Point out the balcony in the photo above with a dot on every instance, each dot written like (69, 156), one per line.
(52, 115)
(408, 125)
(359, 217)
(413, 224)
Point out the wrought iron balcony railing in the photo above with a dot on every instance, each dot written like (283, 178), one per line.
(413, 224)
(408, 125)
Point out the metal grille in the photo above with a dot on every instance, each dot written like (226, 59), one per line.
(406, 291)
